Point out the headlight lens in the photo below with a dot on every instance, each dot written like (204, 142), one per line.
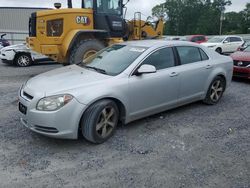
(53, 103)
(55, 28)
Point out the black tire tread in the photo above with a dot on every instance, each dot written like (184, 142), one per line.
(19, 55)
(88, 119)
(79, 44)
(208, 100)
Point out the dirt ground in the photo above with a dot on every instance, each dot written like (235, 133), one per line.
(192, 146)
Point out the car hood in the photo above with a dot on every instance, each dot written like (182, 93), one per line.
(63, 79)
(241, 56)
(16, 47)
(209, 44)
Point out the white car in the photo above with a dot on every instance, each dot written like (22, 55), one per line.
(20, 55)
(224, 44)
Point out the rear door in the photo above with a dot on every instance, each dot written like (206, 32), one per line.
(227, 45)
(236, 42)
(195, 68)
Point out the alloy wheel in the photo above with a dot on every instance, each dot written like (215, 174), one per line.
(23, 61)
(216, 91)
(106, 122)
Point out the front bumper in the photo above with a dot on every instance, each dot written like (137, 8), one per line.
(241, 72)
(6, 61)
(7, 55)
(63, 123)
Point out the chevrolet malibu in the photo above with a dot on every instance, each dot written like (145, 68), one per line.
(122, 83)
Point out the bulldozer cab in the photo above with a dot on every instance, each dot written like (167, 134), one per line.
(108, 15)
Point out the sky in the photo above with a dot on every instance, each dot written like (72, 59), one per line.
(144, 6)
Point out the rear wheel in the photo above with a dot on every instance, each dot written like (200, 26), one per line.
(215, 91)
(23, 60)
(100, 121)
(83, 50)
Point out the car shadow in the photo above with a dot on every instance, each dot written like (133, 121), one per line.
(45, 63)
(241, 80)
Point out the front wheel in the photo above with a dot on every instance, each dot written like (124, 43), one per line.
(100, 120)
(215, 91)
(219, 50)
(23, 60)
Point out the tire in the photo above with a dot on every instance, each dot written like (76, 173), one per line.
(215, 91)
(219, 50)
(100, 120)
(23, 60)
(84, 48)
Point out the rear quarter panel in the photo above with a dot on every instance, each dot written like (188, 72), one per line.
(222, 65)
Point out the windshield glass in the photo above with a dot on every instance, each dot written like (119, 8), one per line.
(216, 39)
(109, 6)
(113, 60)
(247, 49)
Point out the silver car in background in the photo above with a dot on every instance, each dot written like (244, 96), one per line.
(122, 83)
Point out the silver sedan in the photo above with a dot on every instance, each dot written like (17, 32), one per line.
(122, 83)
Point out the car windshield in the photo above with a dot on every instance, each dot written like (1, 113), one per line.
(247, 49)
(216, 39)
(113, 60)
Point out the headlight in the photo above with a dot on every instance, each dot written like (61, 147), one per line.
(53, 103)
(55, 28)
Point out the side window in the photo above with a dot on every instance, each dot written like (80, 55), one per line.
(161, 59)
(195, 39)
(110, 7)
(202, 38)
(227, 39)
(235, 39)
(88, 3)
(204, 56)
(188, 54)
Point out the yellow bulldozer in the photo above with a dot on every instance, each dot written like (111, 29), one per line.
(72, 34)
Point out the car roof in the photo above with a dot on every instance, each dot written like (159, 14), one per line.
(158, 43)
(224, 36)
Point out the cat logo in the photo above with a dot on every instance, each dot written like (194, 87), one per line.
(83, 20)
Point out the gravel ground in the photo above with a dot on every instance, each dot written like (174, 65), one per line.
(192, 146)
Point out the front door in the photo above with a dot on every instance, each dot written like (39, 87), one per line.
(154, 92)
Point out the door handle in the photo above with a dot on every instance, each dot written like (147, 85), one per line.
(173, 74)
(209, 66)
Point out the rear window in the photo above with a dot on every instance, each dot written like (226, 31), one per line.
(204, 56)
(188, 54)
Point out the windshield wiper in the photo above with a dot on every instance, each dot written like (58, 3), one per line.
(96, 69)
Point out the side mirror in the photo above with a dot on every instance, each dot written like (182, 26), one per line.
(225, 41)
(146, 69)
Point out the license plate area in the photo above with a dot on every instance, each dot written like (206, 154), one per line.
(22, 108)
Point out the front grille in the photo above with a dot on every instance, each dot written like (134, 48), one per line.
(46, 129)
(241, 63)
(32, 25)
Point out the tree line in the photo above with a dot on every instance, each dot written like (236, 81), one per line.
(207, 17)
